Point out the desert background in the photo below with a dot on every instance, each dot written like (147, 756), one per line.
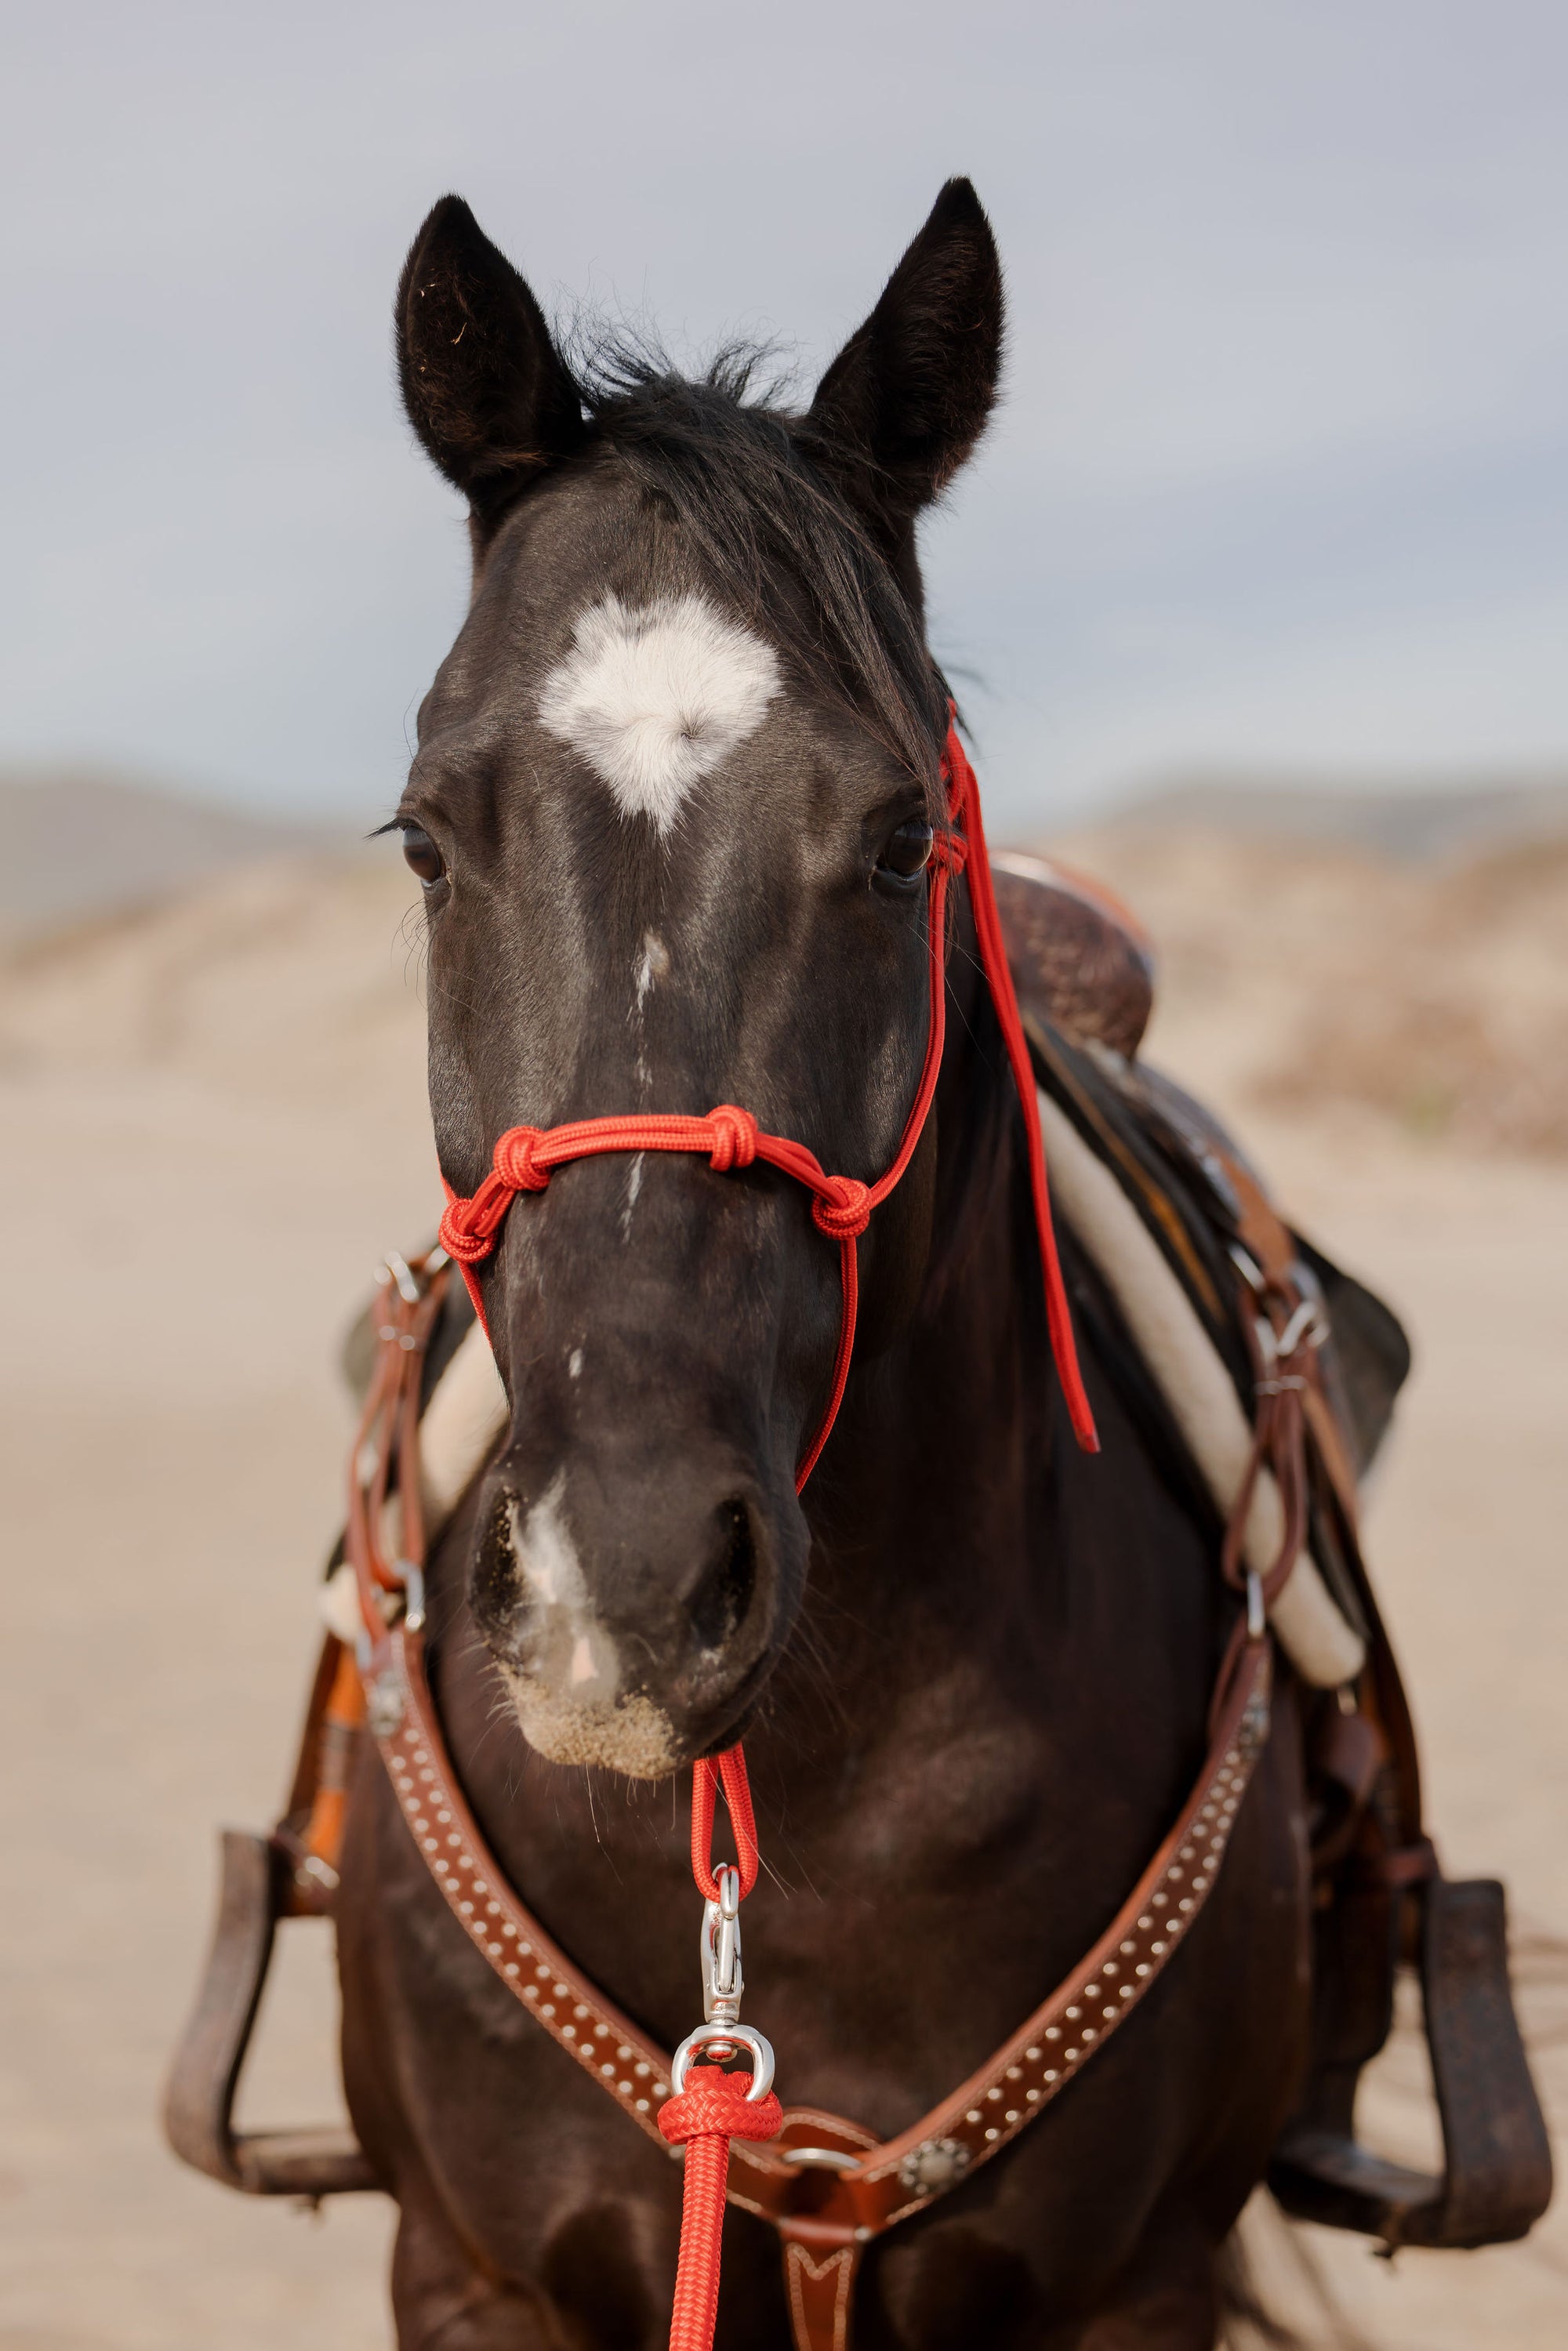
(1256, 595)
(213, 1121)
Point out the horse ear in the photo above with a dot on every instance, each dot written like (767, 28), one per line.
(486, 389)
(908, 396)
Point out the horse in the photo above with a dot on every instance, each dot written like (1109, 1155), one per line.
(676, 791)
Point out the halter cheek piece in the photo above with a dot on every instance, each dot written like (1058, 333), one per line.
(841, 1205)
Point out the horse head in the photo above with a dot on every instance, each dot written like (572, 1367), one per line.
(672, 809)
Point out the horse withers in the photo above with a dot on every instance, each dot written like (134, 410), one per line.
(676, 790)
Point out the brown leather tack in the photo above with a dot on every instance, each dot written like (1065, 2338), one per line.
(1496, 2161)
(1378, 1880)
(819, 2266)
(198, 2107)
(1078, 959)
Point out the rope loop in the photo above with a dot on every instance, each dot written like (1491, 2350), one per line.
(516, 1162)
(951, 850)
(468, 1227)
(714, 2105)
(843, 1211)
(733, 1138)
(709, 1773)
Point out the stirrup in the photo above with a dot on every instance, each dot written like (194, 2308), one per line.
(198, 2107)
(1497, 2177)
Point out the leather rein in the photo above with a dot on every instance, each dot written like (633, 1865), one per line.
(824, 2182)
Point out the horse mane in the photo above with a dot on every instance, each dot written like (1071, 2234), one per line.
(725, 454)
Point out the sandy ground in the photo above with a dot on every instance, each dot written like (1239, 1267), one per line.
(212, 1121)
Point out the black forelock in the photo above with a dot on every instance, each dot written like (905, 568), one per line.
(721, 453)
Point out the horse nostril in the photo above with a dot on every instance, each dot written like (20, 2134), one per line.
(721, 1599)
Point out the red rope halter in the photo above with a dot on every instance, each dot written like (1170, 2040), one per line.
(715, 2108)
(841, 1205)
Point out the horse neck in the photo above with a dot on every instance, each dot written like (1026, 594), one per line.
(1042, 1621)
(952, 1434)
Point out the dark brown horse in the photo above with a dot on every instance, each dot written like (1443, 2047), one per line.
(671, 805)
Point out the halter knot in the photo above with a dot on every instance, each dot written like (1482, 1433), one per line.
(733, 1138)
(843, 1211)
(714, 2105)
(951, 850)
(516, 1162)
(468, 1227)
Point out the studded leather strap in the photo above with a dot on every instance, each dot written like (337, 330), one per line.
(884, 2183)
(1051, 2048)
(824, 2213)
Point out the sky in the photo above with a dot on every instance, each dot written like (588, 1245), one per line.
(1281, 478)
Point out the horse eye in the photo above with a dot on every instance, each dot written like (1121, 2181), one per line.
(423, 855)
(907, 851)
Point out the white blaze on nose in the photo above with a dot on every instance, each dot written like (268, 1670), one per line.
(547, 1556)
(654, 699)
(569, 1695)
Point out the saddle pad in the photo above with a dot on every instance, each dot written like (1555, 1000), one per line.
(1199, 1389)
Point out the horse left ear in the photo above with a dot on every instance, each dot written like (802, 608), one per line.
(487, 390)
(908, 396)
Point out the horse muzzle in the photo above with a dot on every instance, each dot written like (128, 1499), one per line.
(632, 1605)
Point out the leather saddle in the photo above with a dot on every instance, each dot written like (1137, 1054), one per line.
(1084, 973)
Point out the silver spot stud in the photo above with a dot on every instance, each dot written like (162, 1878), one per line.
(384, 1704)
(936, 2164)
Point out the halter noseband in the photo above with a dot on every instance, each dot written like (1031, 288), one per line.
(841, 1205)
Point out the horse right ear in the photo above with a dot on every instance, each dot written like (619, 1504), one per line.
(908, 396)
(487, 390)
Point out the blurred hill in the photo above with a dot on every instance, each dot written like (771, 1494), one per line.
(1319, 977)
(1398, 820)
(1303, 966)
(78, 839)
(83, 841)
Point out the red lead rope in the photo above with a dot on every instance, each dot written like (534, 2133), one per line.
(713, 2108)
(964, 799)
